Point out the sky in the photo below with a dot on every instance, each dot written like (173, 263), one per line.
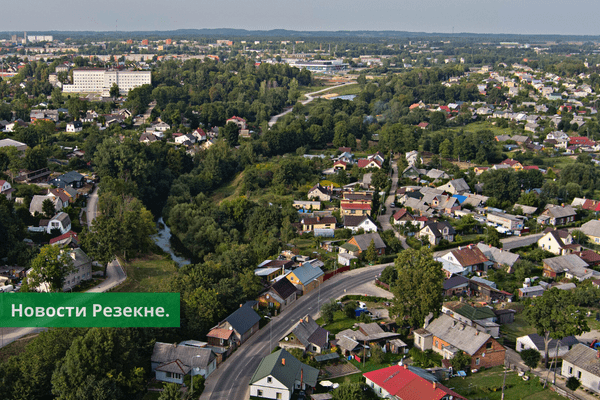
(575, 17)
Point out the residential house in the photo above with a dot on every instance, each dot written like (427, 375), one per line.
(498, 256)
(306, 205)
(280, 374)
(591, 229)
(184, 139)
(172, 362)
(200, 135)
(243, 322)
(436, 174)
(63, 197)
(446, 336)
(536, 342)
(68, 239)
(369, 334)
(6, 189)
(456, 285)
(307, 335)
(75, 126)
(556, 241)
(72, 178)
(148, 138)
(360, 243)
(240, 122)
(369, 163)
(355, 223)
(306, 277)
(514, 164)
(464, 261)
(455, 186)
(570, 266)
(558, 215)
(507, 221)
(60, 221)
(82, 270)
(357, 209)
(161, 126)
(402, 216)
(319, 192)
(487, 290)
(528, 292)
(583, 363)
(408, 383)
(281, 294)
(340, 165)
(436, 231)
(310, 224)
(481, 318)
(37, 203)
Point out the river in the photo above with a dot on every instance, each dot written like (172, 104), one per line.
(163, 240)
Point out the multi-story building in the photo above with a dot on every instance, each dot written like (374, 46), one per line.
(100, 81)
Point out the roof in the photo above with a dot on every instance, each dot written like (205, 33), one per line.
(585, 358)
(190, 356)
(284, 288)
(400, 381)
(327, 357)
(470, 312)
(356, 206)
(457, 334)
(437, 228)
(354, 220)
(460, 185)
(220, 333)
(591, 228)
(455, 281)
(287, 372)
(308, 332)
(319, 220)
(470, 255)
(63, 218)
(70, 234)
(561, 212)
(564, 263)
(497, 255)
(363, 241)
(37, 202)
(243, 319)
(71, 176)
(401, 213)
(538, 341)
(307, 273)
(175, 366)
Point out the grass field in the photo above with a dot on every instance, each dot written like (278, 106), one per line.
(484, 125)
(147, 274)
(520, 327)
(15, 348)
(488, 385)
(340, 322)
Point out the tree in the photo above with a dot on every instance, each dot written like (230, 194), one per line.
(460, 361)
(573, 383)
(371, 253)
(327, 311)
(51, 266)
(418, 289)
(555, 316)
(492, 237)
(114, 91)
(48, 208)
(231, 133)
(353, 391)
(531, 358)
(377, 354)
(350, 309)
(172, 391)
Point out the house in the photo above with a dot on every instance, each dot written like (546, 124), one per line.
(591, 229)
(456, 285)
(240, 122)
(556, 241)
(75, 126)
(455, 186)
(531, 291)
(82, 270)
(306, 277)
(319, 192)
(148, 138)
(487, 290)
(583, 363)
(281, 294)
(436, 231)
(310, 224)
(13, 143)
(37, 203)
(570, 265)
(68, 239)
(200, 135)
(161, 126)
(64, 198)
(402, 216)
(6, 189)
(72, 178)
(507, 221)
(446, 336)
(514, 164)
(172, 362)
(558, 215)
(355, 223)
(408, 383)
(360, 209)
(370, 333)
(481, 318)
(60, 221)
(185, 138)
(464, 261)
(243, 323)
(498, 256)
(340, 165)
(369, 163)
(280, 374)
(306, 335)
(360, 243)
(536, 342)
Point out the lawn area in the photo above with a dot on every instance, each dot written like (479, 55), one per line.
(147, 274)
(15, 348)
(340, 322)
(510, 332)
(488, 385)
(484, 125)
(389, 360)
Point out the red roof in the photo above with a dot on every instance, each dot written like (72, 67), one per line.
(581, 140)
(510, 161)
(340, 162)
(531, 167)
(401, 382)
(423, 124)
(64, 236)
(356, 206)
(363, 162)
(2, 182)
(220, 333)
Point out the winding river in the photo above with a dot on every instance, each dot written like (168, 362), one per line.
(163, 240)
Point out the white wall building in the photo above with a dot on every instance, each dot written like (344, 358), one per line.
(100, 81)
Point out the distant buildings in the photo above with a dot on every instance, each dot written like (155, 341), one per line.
(100, 80)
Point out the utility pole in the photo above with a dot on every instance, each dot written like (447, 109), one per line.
(504, 380)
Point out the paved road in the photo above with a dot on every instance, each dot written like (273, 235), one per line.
(519, 241)
(115, 275)
(92, 206)
(231, 380)
(309, 98)
(384, 220)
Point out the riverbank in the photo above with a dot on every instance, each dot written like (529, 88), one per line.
(165, 240)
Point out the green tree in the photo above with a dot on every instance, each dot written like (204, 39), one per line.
(328, 310)
(377, 354)
(418, 289)
(231, 133)
(114, 91)
(531, 358)
(492, 237)
(371, 253)
(172, 391)
(555, 316)
(353, 391)
(460, 361)
(48, 208)
(573, 383)
(50, 266)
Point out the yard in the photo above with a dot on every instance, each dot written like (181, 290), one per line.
(340, 322)
(147, 274)
(487, 384)
(510, 332)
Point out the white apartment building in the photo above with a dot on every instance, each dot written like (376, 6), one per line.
(100, 81)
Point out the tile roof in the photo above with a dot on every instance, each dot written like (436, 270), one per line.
(355, 206)
(70, 234)
(220, 333)
(470, 255)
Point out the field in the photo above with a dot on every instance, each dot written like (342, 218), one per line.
(15, 348)
(147, 274)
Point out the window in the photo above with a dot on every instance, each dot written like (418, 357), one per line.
(488, 345)
(259, 393)
(437, 344)
(278, 396)
(570, 370)
(477, 361)
(578, 374)
(269, 379)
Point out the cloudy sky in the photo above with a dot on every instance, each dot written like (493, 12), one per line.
(475, 16)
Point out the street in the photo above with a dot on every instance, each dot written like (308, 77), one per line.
(231, 379)
(384, 219)
(92, 206)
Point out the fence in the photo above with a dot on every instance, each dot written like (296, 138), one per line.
(331, 274)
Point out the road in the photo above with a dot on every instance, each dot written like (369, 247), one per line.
(384, 219)
(309, 98)
(230, 381)
(92, 206)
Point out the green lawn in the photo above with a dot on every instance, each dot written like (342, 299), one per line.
(487, 384)
(520, 327)
(389, 360)
(340, 322)
(484, 125)
(147, 274)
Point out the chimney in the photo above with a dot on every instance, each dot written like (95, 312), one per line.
(241, 305)
(283, 362)
(434, 386)
(406, 366)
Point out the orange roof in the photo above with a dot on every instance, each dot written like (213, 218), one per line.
(220, 333)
